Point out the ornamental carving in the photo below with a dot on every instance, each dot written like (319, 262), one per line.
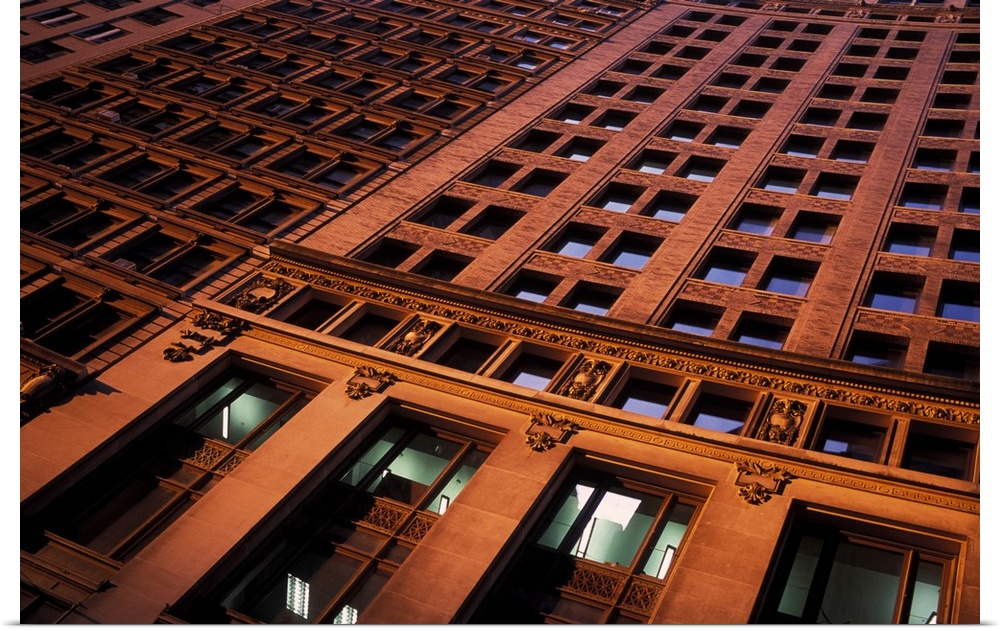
(418, 527)
(598, 583)
(641, 596)
(758, 481)
(216, 322)
(384, 516)
(368, 380)
(410, 342)
(584, 383)
(37, 391)
(780, 383)
(261, 295)
(542, 440)
(783, 422)
(203, 341)
(179, 352)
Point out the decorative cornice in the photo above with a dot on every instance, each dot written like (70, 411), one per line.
(656, 437)
(695, 365)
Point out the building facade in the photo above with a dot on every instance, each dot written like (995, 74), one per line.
(414, 311)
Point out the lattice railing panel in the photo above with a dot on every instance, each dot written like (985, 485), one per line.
(600, 584)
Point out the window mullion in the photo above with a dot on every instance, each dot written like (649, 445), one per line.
(271, 418)
(435, 487)
(659, 522)
(586, 514)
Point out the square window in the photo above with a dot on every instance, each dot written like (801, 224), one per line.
(867, 121)
(155, 16)
(531, 287)
(692, 52)
(532, 371)
(669, 206)
(893, 292)
(788, 64)
(670, 72)
(573, 114)
(950, 101)
(683, 131)
(750, 109)
(41, 51)
(852, 151)
(835, 186)
(494, 174)
(390, 253)
(701, 169)
(850, 70)
(644, 94)
(493, 222)
(803, 146)
(872, 349)
(970, 201)
(944, 128)
(788, 276)
(443, 212)
(592, 298)
(691, 317)
(576, 241)
(759, 331)
(730, 80)
(836, 91)
(728, 267)
(442, 265)
(893, 73)
(540, 183)
(781, 180)
(729, 137)
(931, 449)
(314, 314)
(615, 120)
(750, 61)
(720, 413)
(633, 66)
(959, 301)
(885, 96)
(100, 33)
(851, 439)
(770, 85)
(467, 354)
(708, 103)
(952, 360)
(618, 198)
(923, 196)
(369, 328)
(910, 239)
(581, 149)
(642, 396)
(821, 116)
(804, 45)
(54, 17)
(536, 140)
(973, 162)
(605, 89)
(964, 246)
(632, 251)
(756, 219)
(653, 162)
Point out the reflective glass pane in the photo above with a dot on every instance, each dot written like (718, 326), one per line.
(376, 452)
(617, 527)
(415, 468)
(667, 543)
(926, 593)
(457, 482)
(568, 512)
(235, 421)
(863, 586)
(793, 599)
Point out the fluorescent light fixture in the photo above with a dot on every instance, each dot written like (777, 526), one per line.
(297, 596)
(225, 422)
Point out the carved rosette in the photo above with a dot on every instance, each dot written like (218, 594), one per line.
(261, 295)
(412, 340)
(584, 383)
(783, 422)
(758, 481)
(543, 440)
(367, 380)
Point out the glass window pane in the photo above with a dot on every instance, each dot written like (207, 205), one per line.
(926, 593)
(667, 543)
(568, 512)
(119, 516)
(793, 599)
(854, 440)
(863, 586)
(210, 399)
(457, 482)
(407, 477)
(617, 527)
(376, 452)
(234, 421)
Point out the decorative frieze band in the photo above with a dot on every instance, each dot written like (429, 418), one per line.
(833, 392)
